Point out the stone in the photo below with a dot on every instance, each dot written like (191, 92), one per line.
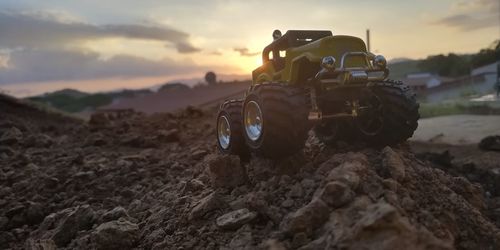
(226, 171)
(51, 182)
(288, 203)
(307, 218)
(95, 139)
(307, 183)
(235, 219)
(341, 174)
(242, 241)
(73, 220)
(15, 210)
(393, 163)
(198, 154)
(11, 136)
(86, 175)
(34, 213)
(273, 244)
(172, 135)
(490, 143)
(99, 120)
(193, 112)
(44, 140)
(299, 239)
(133, 140)
(42, 244)
(336, 194)
(207, 204)
(114, 214)
(382, 227)
(193, 185)
(39, 140)
(118, 234)
(296, 191)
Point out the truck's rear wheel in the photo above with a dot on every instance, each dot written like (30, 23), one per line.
(275, 120)
(393, 114)
(230, 138)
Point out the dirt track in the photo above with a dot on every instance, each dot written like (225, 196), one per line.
(457, 129)
(131, 181)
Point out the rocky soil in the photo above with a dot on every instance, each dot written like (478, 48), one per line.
(125, 180)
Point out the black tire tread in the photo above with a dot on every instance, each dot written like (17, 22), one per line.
(400, 112)
(233, 109)
(285, 111)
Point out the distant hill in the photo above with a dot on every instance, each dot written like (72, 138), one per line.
(450, 65)
(398, 60)
(173, 87)
(72, 101)
(399, 70)
(70, 92)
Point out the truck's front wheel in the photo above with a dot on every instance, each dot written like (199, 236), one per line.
(275, 121)
(394, 110)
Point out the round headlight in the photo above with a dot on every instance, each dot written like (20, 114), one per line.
(276, 34)
(328, 63)
(380, 62)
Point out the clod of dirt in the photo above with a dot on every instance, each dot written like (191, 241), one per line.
(11, 136)
(172, 135)
(226, 171)
(307, 218)
(393, 163)
(118, 234)
(336, 194)
(114, 214)
(490, 143)
(205, 205)
(62, 227)
(235, 219)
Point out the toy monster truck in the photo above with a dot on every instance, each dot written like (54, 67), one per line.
(314, 79)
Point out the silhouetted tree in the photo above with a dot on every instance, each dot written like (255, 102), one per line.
(210, 78)
(446, 65)
(459, 65)
(487, 56)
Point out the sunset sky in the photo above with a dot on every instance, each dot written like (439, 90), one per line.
(96, 45)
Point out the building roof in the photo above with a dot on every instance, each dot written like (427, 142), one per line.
(424, 79)
(486, 69)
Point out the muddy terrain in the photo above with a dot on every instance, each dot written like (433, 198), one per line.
(125, 180)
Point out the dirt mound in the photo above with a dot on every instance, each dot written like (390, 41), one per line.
(126, 180)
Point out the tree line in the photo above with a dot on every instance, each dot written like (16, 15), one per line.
(454, 65)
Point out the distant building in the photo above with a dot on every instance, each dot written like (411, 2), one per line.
(422, 81)
(486, 70)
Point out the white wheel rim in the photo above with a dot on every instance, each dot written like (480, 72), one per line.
(253, 120)
(224, 132)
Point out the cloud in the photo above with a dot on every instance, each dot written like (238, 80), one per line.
(215, 53)
(36, 65)
(472, 15)
(245, 52)
(35, 30)
(466, 22)
(469, 5)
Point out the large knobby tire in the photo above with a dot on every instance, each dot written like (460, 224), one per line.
(283, 124)
(230, 138)
(399, 113)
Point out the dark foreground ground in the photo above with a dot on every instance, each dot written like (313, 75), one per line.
(130, 181)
